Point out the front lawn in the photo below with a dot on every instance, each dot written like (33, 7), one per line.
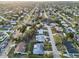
(47, 46)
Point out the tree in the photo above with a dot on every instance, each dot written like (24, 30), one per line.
(2, 22)
(57, 21)
(70, 35)
(58, 39)
(23, 28)
(28, 34)
(54, 30)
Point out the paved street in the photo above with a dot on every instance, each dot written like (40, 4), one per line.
(54, 48)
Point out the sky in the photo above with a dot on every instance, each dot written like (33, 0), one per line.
(39, 0)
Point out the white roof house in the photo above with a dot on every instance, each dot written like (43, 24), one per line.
(40, 31)
(59, 29)
(70, 29)
(76, 37)
(63, 22)
(38, 48)
(66, 25)
(53, 24)
(40, 38)
(12, 22)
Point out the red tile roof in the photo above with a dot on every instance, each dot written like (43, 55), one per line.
(20, 48)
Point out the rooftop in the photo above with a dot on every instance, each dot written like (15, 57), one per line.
(20, 48)
(38, 48)
(40, 31)
(40, 38)
(3, 35)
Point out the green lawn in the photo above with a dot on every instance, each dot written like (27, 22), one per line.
(47, 46)
(58, 38)
(41, 56)
(36, 56)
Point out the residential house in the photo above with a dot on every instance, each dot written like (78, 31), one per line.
(53, 24)
(38, 48)
(66, 25)
(76, 36)
(20, 48)
(59, 29)
(3, 36)
(40, 31)
(70, 29)
(40, 38)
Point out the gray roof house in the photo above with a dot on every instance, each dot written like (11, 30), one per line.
(38, 48)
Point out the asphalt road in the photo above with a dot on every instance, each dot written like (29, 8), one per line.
(54, 48)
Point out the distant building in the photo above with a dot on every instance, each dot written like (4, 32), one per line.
(63, 22)
(7, 26)
(76, 36)
(13, 22)
(38, 48)
(53, 24)
(66, 25)
(70, 29)
(3, 36)
(1, 26)
(59, 29)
